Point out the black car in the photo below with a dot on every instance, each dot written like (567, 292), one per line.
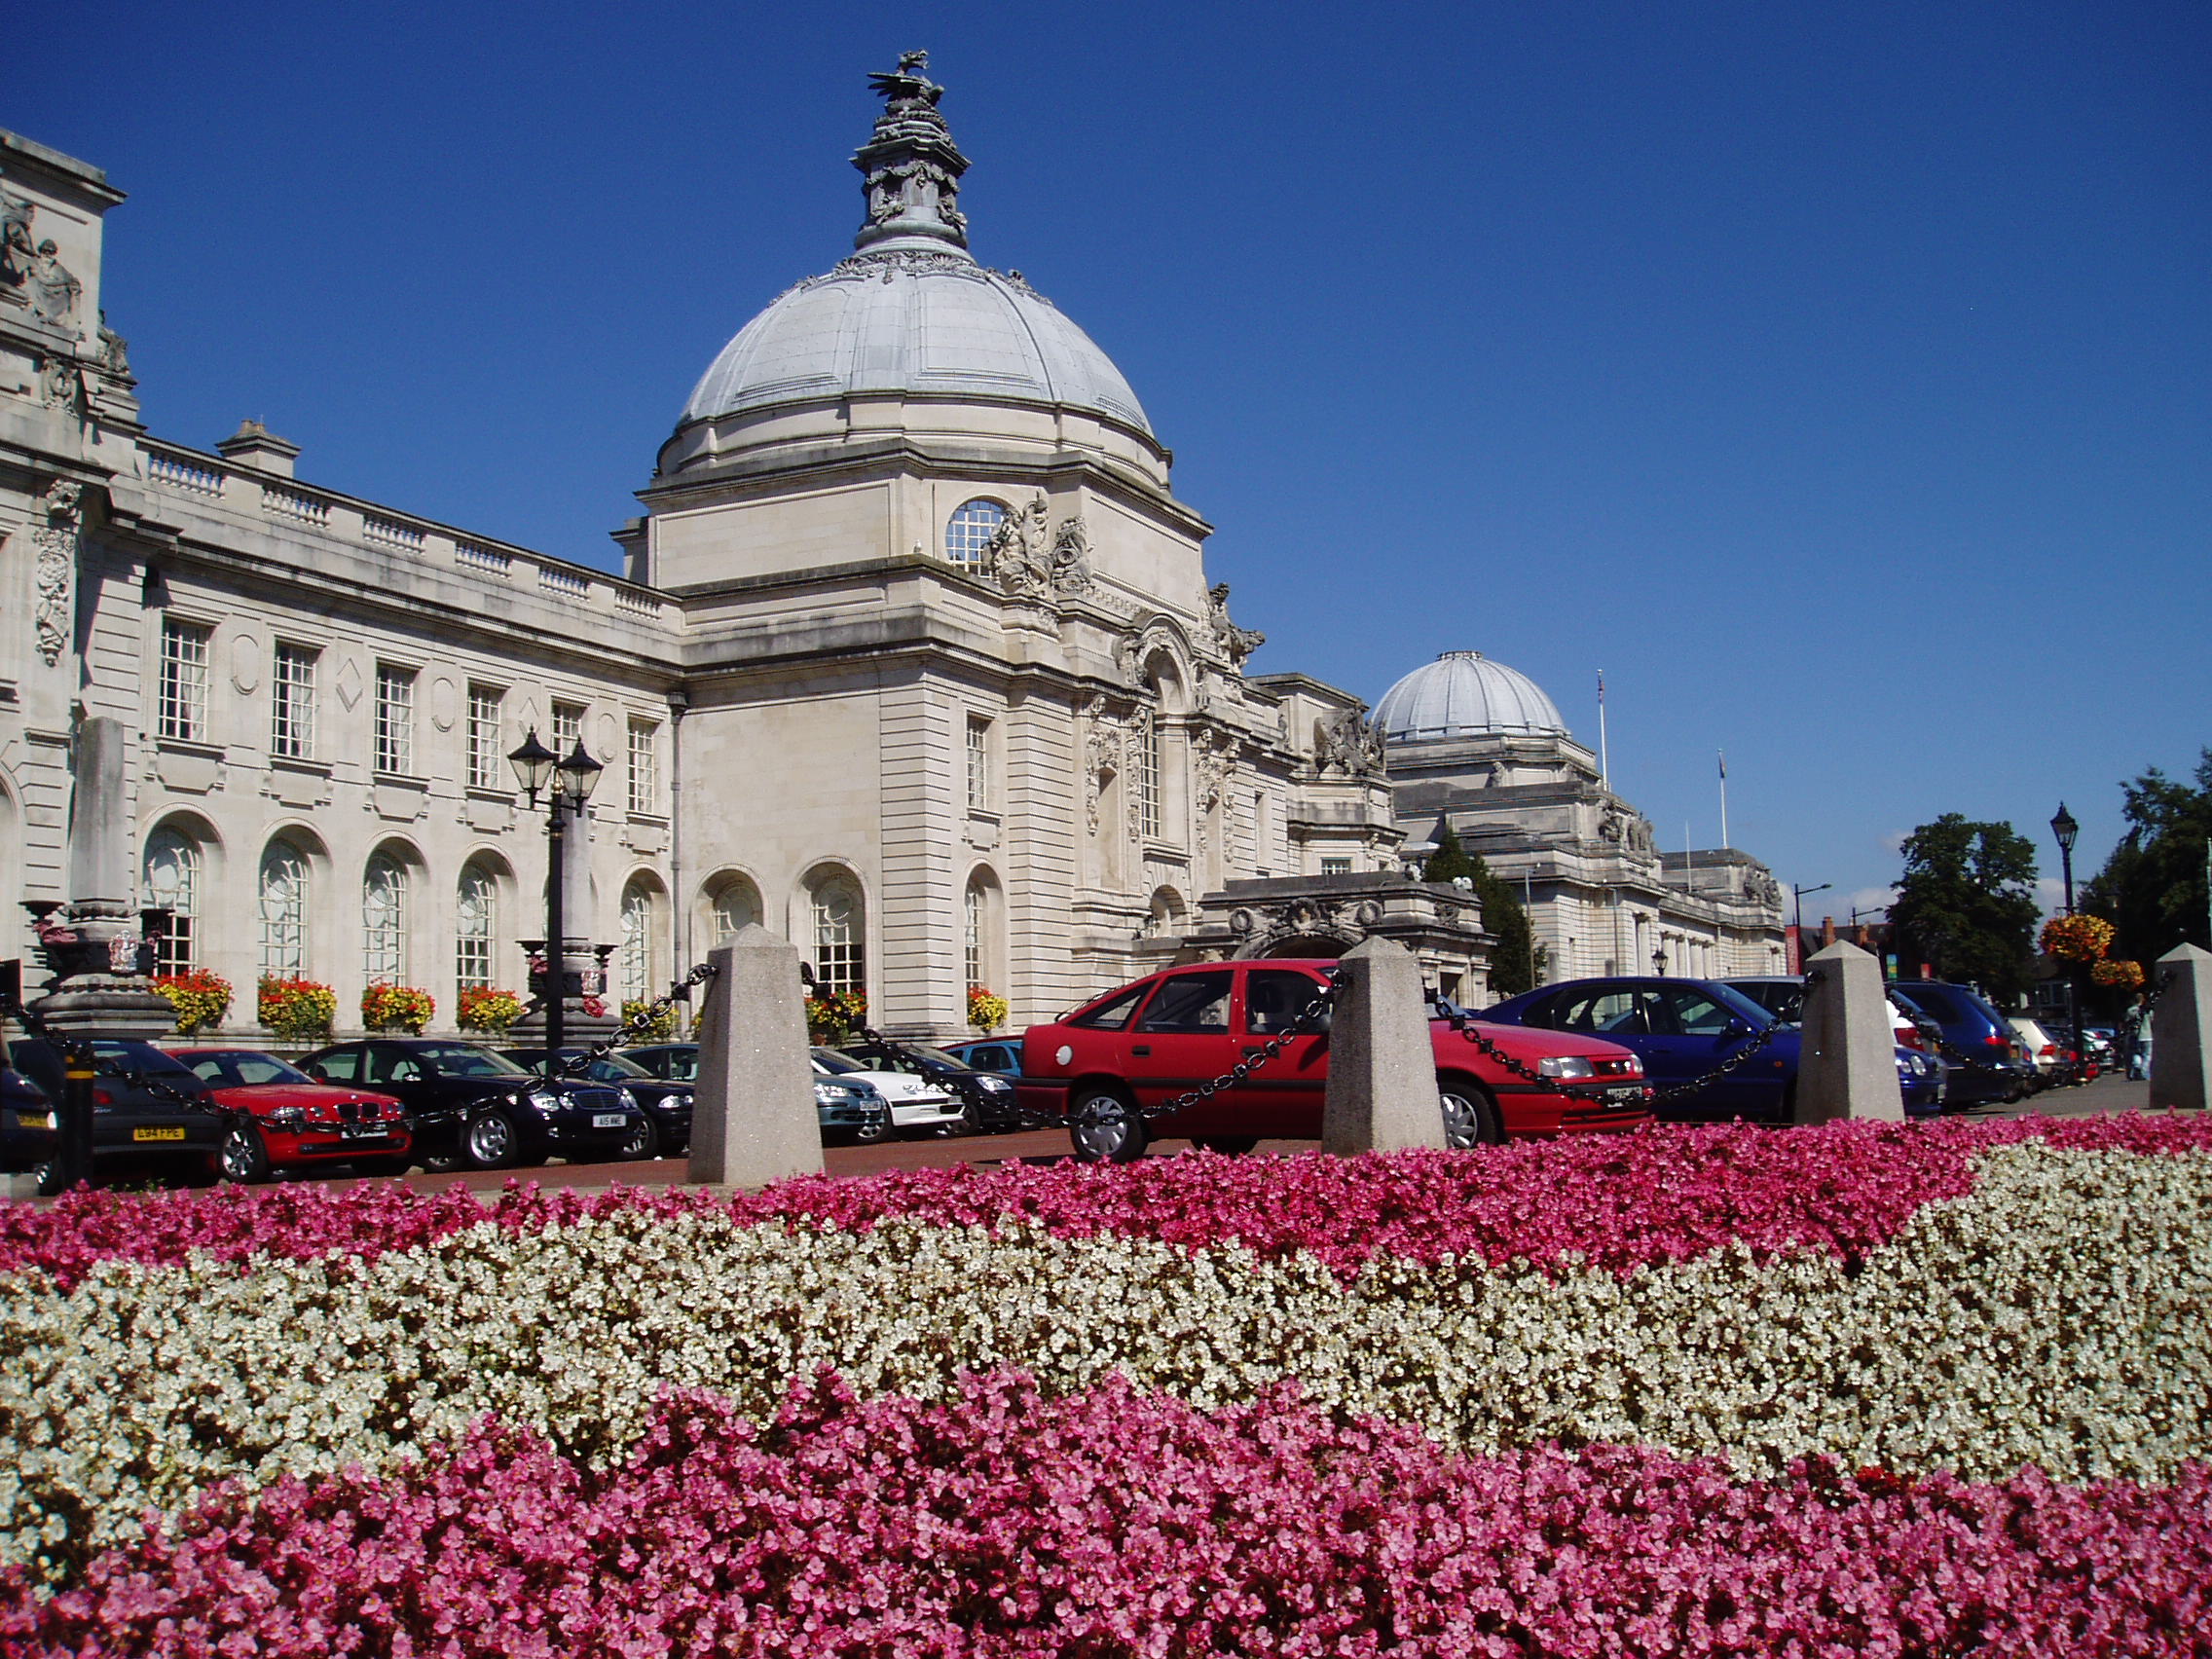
(846, 1112)
(667, 1105)
(986, 1099)
(474, 1107)
(28, 1138)
(151, 1116)
(1978, 1044)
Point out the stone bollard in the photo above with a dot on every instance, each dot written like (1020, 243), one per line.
(1381, 1067)
(2181, 1029)
(1848, 1062)
(753, 1115)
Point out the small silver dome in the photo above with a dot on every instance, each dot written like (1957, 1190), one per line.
(918, 319)
(1464, 694)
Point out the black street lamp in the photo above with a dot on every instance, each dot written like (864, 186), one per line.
(2065, 829)
(1798, 897)
(566, 785)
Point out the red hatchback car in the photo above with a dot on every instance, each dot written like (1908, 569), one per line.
(282, 1119)
(1150, 1042)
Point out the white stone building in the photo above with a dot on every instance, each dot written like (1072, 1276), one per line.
(914, 660)
(1479, 745)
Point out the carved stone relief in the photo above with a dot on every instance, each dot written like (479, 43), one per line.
(56, 548)
(32, 275)
(1213, 756)
(1349, 743)
(1102, 756)
(1137, 739)
(1033, 561)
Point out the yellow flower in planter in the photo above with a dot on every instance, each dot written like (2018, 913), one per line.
(296, 1010)
(396, 1007)
(201, 998)
(489, 1009)
(986, 1012)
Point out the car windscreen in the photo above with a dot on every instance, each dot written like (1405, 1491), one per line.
(459, 1059)
(1938, 1002)
(141, 1060)
(229, 1070)
(830, 1060)
(1742, 1006)
(606, 1068)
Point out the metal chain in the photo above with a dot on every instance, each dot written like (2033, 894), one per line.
(1462, 1023)
(1105, 1108)
(634, 1028)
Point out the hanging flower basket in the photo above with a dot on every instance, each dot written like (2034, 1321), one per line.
(832, 1015)
(2077, 937)
(396, 1007)
(201, 998)
(2128, 976)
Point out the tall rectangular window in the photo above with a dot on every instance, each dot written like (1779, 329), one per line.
(485, 760)
(291, 703)
(645, 766)
(1145, 752)
(978, 766)
(396, 720)
(184, 680)
(567, 729)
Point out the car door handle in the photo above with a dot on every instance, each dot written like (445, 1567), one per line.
(1140, 1048)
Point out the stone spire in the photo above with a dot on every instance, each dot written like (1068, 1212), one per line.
(912, 166)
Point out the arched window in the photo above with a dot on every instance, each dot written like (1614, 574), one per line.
(736, 908)
(840, 950)
(172, 881)
(973, 933)
(634, 962)
(1144, 754)
(384, 921)
(284, 903)
(476, 917)
(971, 530)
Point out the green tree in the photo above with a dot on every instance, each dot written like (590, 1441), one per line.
(1965, 904)
(2151, 889)
(1515, 955)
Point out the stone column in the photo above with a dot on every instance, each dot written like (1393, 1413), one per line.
(1848, 1066)
(93, 940)
(1382, 1066)
(753, 1115)
(2181, 1029)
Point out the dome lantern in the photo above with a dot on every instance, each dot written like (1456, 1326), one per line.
(911, 166)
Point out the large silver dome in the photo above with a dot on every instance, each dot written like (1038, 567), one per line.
(1464, 694)
(925, 320)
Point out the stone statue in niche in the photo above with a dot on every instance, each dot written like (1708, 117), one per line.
(54, 287)
(1102, 756)
(1016, 553)
(1237, 643)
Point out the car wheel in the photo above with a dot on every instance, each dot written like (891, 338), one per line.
(1104, 1127)
(49, 1175)
(1229, 1146)
(244, 1155)
(643, 1142)
(1470, 1115)
(490, 1141)
(873, 1130)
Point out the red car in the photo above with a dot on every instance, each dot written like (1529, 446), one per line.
(1150, 1042)
(282, 1119)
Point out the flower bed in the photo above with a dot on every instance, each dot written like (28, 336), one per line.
(1550, 1396)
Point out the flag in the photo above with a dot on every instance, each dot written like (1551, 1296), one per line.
(1724, 753)
(1601, 686)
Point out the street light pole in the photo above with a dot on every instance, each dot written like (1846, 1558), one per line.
(566, 785)
(2064, 828)
(1797, 897)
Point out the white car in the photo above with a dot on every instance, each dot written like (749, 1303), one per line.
(2035, 1042)
(914, 1103)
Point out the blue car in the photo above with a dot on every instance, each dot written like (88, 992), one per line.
(999, 1056)
(1686, 1029)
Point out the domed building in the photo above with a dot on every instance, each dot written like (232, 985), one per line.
(913, 660)
(1474, 744)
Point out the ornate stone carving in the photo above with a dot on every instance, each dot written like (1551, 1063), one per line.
(52, 287)
(1349, 743)
(1762, 889)
(1139, 737)
(56, 549)
(1071, 557)
(1234, 643)
(62, 383)
(910, 166)
(115, 351)
(1102, 756)
(1213, 756)
(16, 254)
(1031, 561)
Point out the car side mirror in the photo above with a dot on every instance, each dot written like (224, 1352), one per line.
(1739, 1028)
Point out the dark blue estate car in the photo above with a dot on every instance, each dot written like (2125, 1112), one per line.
(1685, 1029)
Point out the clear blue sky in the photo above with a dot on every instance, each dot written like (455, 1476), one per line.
(1834, 377)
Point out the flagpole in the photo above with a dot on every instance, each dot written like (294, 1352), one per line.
(1605, 763)
(1723, 797)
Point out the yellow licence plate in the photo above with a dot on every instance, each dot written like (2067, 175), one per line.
(35, 1120)
(165, 1132)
